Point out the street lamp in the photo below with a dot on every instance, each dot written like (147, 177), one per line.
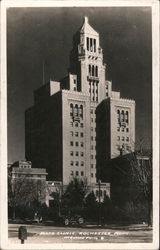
(99, 202)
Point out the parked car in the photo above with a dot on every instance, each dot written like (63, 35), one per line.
(71, 220)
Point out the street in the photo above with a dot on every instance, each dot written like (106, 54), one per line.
(89, 234)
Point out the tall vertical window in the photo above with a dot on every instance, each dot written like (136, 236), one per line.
(122, 115)
(76, 110)
(71, 109)
(96, 71)
(89, 69)
(81, 111)
(91, 45)
(92, 70)
(118, 115)
(87, 43)
(126, 116)
(94, 45)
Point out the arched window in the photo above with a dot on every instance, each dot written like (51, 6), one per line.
(122, 115)
(118, 115)
(92, 70)
(81, 111)
(76, 110)
(89, 69)
(126, 116)
(71, 108)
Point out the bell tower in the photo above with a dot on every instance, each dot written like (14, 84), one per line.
(86, 61)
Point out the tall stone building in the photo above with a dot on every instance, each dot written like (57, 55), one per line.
(61, 127)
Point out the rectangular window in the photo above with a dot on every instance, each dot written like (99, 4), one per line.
(91, 111)
(71, 123)
(82, 144)
(77, 163)
(91, 138)
(82, 173)
(82, 163)
(91, 45)
(122, 129)
(127, 139)
(76, 124)
(127, 129)
(77, 173)
(71, 133)
(74, 81)
(91, 128)
(87, 43)
(91, 147)
(92, 165)
(76, 134)
(71, 172)
(82, 154)
(72, 163)
(77, 144)
(81, 125)
(91, 174)
(91, 119)
(77, 153)
(94, 45)
(118, 128)
(82, 134)
(123, 138)
(71, 143)
(71, 153)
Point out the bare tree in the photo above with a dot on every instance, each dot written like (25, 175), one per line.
(141, 170)
(23, 191)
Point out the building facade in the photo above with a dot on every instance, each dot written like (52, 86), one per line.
(61, 127)
(27, 181)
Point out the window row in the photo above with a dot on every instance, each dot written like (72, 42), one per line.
(92, 120)
(76, 124)
(93, 70)
(123, 138)
(76, 110)
(77, 173)
(77, 163)
(76, 143)
(122, 116)
(77, 134)
(123, 147)
(91, 44)
(94, 98)
(72, 153)
(123, 129)
(93, 156)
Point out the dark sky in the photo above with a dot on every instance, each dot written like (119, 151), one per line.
(35, 35)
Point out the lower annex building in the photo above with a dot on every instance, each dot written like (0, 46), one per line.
(75, 121)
